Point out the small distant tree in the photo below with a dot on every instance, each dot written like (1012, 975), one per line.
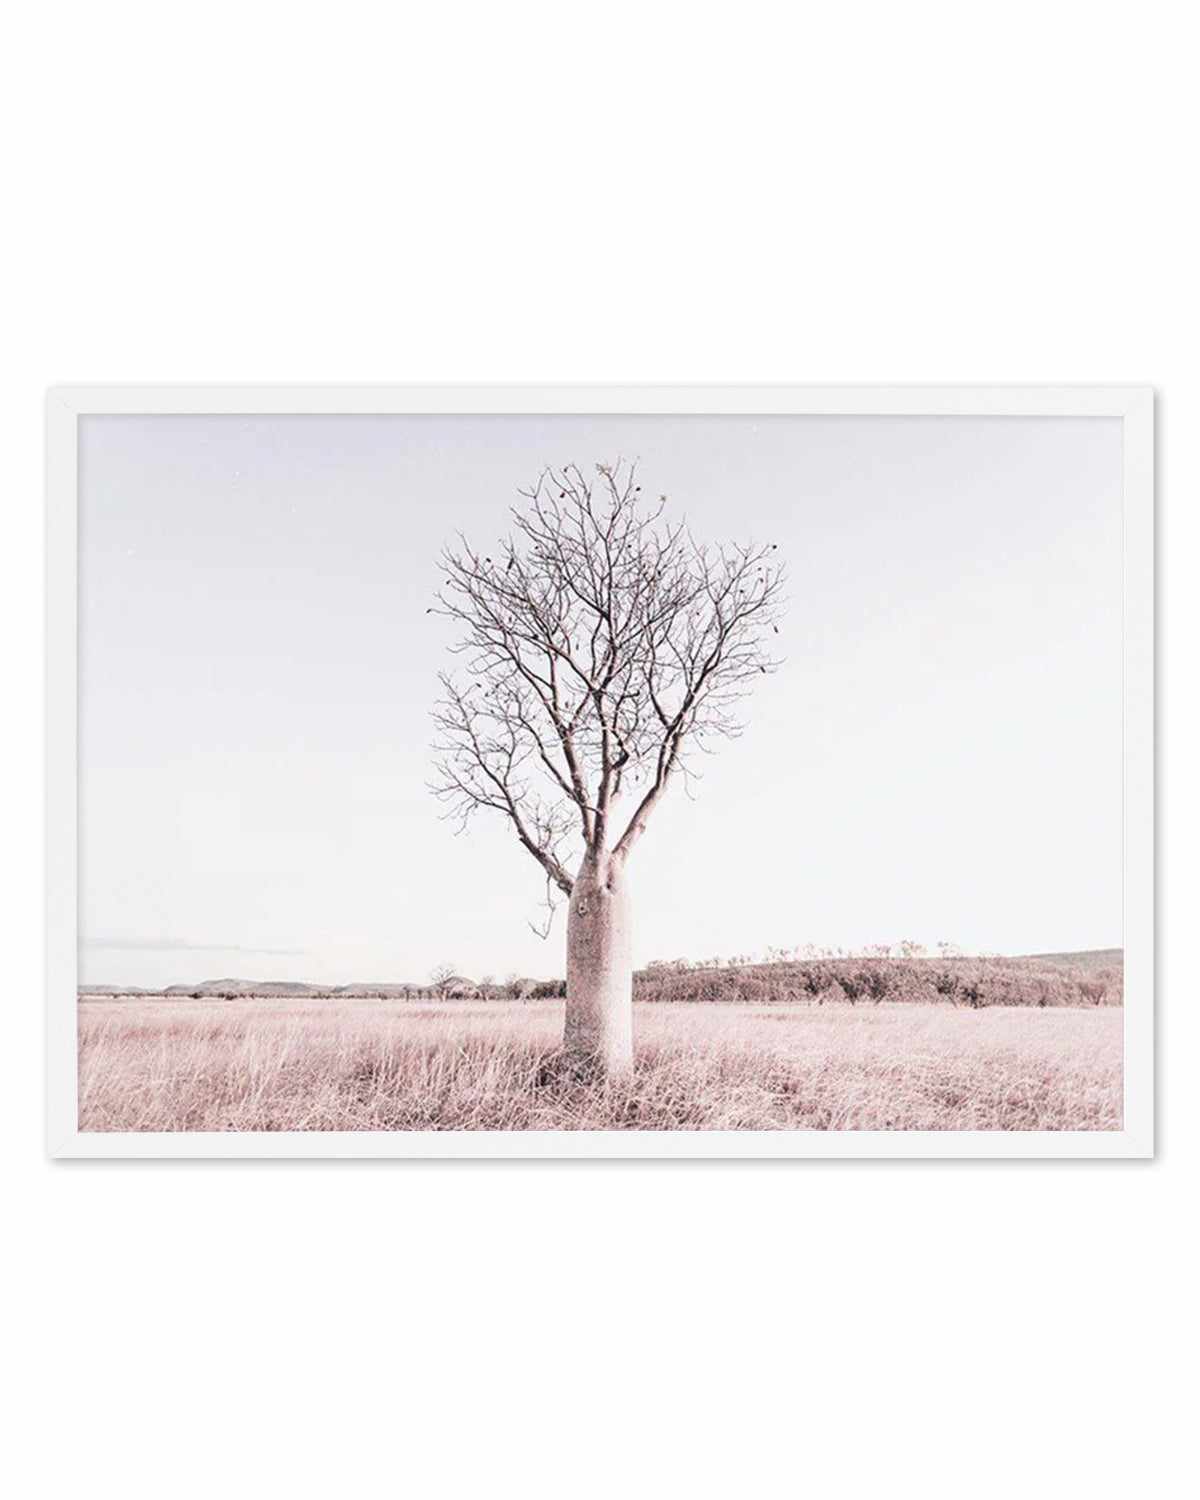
(973, 993)
(876, 980)
(601, 644)
(851, 984)
(441, 978)
(815, 979)
(945, 982)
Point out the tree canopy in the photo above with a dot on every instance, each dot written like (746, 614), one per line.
(601, 644)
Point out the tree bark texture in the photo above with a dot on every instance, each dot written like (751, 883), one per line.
(598, 1035)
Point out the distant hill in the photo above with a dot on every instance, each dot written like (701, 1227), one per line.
(1093, 977)
(264, 989)
(116, 989)
(229, 989)
(1087, 958)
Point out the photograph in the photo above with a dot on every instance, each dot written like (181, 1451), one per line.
(600, 719)
(713, 774)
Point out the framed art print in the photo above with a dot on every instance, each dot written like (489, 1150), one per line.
(600, 771)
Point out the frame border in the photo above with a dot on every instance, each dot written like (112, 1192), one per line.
(1133, 404)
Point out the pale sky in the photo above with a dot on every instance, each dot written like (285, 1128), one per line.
(938, 759)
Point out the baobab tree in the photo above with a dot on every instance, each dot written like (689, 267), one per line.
(601, 646)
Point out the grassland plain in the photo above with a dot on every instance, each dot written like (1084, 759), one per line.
(356, 1064)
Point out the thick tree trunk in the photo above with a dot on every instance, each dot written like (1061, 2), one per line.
(598, 1037)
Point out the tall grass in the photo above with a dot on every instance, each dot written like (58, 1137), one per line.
(311, 1065)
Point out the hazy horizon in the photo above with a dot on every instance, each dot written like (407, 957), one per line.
(938, 759)
(418, 980)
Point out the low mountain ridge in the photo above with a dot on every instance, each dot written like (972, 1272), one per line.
(1093, 976)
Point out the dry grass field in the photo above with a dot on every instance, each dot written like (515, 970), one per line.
(260, 1064)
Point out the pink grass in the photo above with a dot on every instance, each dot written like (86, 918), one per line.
(394, 1065)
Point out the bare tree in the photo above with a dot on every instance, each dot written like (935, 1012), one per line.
(441, 977)
(601, 645)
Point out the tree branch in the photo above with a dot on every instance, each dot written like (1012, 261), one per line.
(598, 641)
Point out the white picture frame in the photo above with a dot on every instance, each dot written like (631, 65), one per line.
(1133, 405)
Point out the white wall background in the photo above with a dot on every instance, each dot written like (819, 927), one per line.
(629, 191)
